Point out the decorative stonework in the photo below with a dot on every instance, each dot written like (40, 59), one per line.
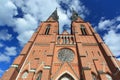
(65, 40)
(47, 67)
(14, 65)
(32, 70)
(66, 55)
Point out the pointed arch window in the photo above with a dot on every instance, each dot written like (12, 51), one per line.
(108, 77)
(24, 75)
(39, 75)
(83, 30)
(94, 76)
(47, 29)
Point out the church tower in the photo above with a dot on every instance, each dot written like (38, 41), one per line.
(79, 55)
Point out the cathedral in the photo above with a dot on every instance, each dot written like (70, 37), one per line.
(78, 55)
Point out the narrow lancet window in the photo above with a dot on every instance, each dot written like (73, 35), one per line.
(24, 75)
(83, 30)
(47, 30)
(39, 75)
(94, 77)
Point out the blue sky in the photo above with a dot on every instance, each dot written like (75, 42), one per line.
(19, 19)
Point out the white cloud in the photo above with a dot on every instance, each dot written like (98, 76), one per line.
(1, 45)
(4, 58)
(7, 11)
(118, 18)
(10, 51)
(104, 24)
(34, 11)
(78, 6)
(25, 27)
(4, 35)
(118, 26)
(26, 23)
(112, 40)
(75, 4)
(24, 37)
(108, 24)
(40, 9)
(63, 19)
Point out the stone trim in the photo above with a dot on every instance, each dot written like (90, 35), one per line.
(95, 59)
(101, 72)
(14, 65)
(65, 44)
(32, 70)
(82, 55)
(89, 44)
(41, 44)
(86, 35)
(47, 67)
(86, 68)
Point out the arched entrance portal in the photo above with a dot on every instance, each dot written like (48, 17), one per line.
(66, 77)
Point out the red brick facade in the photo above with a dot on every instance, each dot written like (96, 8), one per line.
(86, 56)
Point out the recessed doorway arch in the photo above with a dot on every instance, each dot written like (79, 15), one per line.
(66, 76)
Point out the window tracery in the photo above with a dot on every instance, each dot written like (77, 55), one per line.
(47, 30)
(39, 75)
(83, 30)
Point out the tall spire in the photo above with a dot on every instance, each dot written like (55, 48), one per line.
(53, 16)
(75, 16)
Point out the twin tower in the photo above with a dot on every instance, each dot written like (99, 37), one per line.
(80, 55)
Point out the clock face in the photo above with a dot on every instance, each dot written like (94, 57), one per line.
(65, 55)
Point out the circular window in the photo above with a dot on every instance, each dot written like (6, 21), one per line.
(66, 55)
